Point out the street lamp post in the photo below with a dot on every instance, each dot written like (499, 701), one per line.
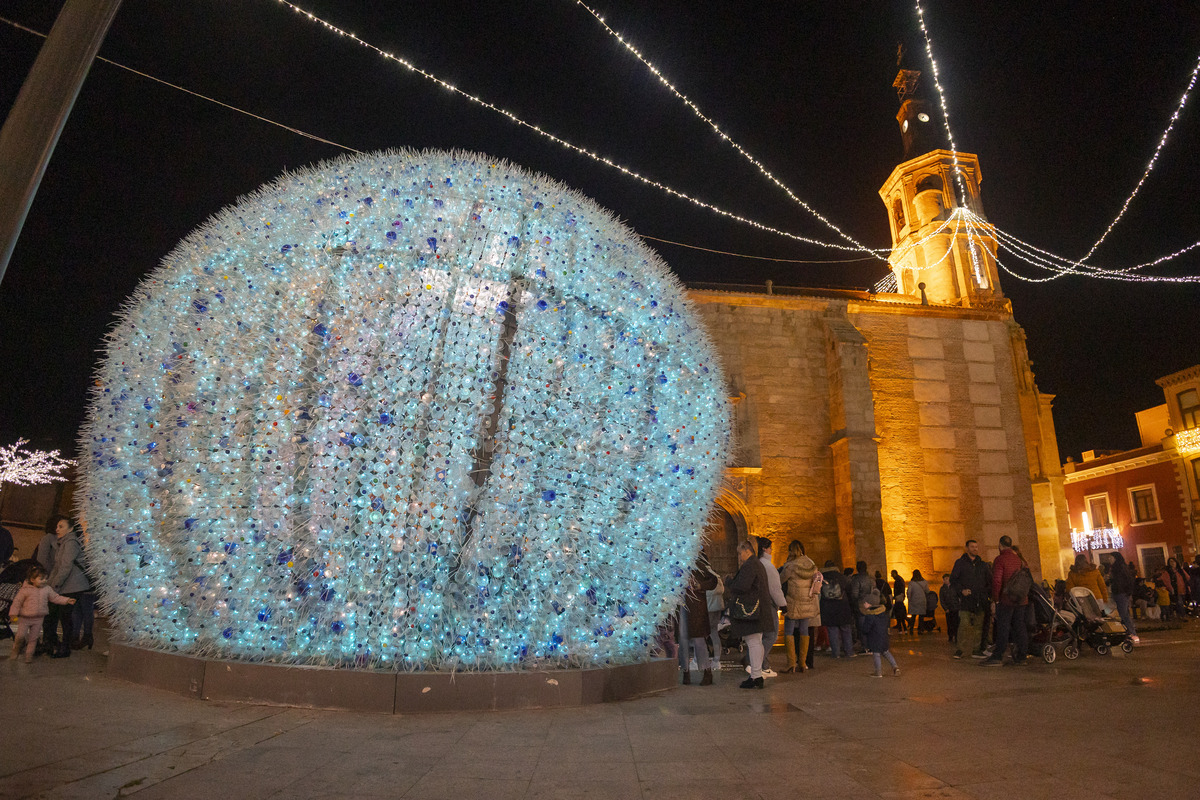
(37, 117)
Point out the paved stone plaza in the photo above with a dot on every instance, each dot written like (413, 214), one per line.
(1096, 727)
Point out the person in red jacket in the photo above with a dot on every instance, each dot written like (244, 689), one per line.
(1010, 613)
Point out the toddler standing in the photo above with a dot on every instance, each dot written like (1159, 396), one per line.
(1163, 597)
(874, 628)
(30, 606)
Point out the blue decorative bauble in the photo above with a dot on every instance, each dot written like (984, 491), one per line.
(404, 411)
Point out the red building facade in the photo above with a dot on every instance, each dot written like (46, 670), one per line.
(1144, 502)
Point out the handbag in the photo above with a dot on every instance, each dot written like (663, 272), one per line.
(739, 611)
(715, 598)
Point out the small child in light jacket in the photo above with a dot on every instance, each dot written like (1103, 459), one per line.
(30, 606)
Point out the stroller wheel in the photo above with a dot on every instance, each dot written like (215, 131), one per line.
(1102, 649)
(1127, 646)
(1049, 653)
(1071, 652)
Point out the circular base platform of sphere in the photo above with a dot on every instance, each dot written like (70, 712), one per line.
(385, 692)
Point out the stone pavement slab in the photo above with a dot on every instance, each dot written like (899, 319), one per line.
(1096, 727)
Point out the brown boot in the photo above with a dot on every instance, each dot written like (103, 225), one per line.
(789, 644)
(803, 647)
(707, 679)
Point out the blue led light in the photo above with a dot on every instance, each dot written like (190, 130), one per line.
(462, 419)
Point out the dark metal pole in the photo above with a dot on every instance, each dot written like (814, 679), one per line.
(33, 125)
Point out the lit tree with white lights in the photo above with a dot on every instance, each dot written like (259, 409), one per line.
(30, 467)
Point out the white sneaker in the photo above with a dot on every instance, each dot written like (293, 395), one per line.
(1136, 639)
(770, 673)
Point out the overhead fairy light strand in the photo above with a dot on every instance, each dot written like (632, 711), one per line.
(559, 140)
(1037, 257)
(717, 129)
(1065, 266)
(958, 176)
(1055, 264)
(1060, 266)
(1154, 158)
(299, 132)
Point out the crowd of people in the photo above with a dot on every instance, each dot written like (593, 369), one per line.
(845, 611)
(55, 604)
(850, 611)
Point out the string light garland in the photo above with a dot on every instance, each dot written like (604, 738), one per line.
(1059, 265)
(886, 285)
(24, 467)
(349, 149)
(559, 140)
(1047, 263)
(762, 169)
(404, 411)
(1153, 159)
(958, 176)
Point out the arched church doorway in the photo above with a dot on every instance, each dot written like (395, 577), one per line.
(721, 536)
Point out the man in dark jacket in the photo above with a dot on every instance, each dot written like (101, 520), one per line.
(1010, 610)
(970, 582)
(6, 545)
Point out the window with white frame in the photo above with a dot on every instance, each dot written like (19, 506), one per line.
(1152, 557)
(1143, 505)
(1097, 511)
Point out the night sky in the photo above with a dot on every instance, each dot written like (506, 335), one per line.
(1063, 102)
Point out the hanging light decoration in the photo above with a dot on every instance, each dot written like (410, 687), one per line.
(1097, 539)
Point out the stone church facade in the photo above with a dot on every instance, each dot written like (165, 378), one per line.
(892, 427)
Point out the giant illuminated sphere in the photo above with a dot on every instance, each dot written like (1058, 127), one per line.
(404, 411)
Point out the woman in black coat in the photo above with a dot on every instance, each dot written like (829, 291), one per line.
(750, 610)
(1121, 582)
(899, 611)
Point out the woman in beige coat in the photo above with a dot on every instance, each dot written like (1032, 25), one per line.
(803, 604)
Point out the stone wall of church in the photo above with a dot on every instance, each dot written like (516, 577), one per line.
(775, 354)
(952, 453)
(903, 456)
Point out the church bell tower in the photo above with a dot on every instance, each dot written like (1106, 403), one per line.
(940, 253)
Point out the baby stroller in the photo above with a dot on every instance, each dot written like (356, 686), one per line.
(1054, 628)
(11, 578)
(1092, 627)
